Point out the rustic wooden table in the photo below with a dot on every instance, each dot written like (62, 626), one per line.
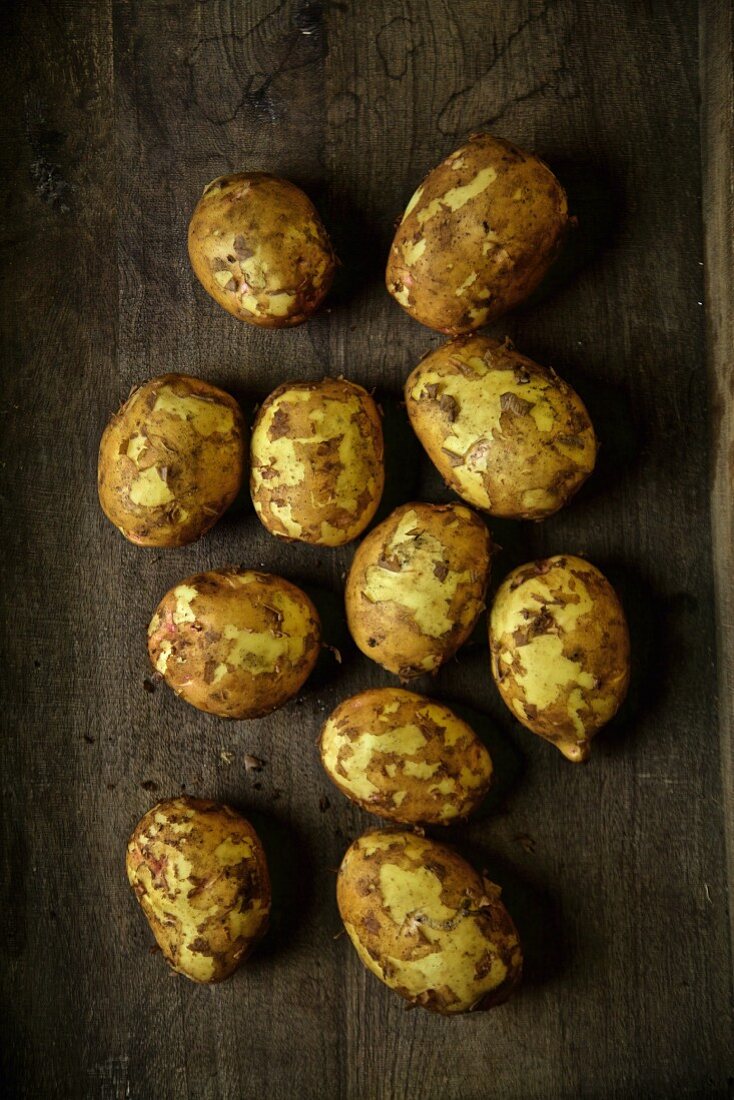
(116, 113)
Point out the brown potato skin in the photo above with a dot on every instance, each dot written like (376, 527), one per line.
(560, 650)
(506, 434)
(200, 874)
(199, 475)
(330, 433)
(235, 642)
(489, 253)
(426, 924)
(265, 234)
(405, 757)
(417, 585)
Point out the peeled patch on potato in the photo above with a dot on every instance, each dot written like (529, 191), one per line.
(506, 434)
(560, 650)
(258, 247)
(317, 471)
(430, 927)
(236, 643)
(199, 871)
(405, 757)
(477, 236)
(417, 585)
(171, 461)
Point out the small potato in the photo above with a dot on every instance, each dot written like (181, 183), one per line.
(258, 247)
(405, 757)
(507, 435)
(477, 236)
(171, 461)
(560, 650)
(427, 924)
(233, 642)
(417, 585)
(317, 470)
(198, 870)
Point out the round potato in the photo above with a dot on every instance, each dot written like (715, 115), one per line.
(417, 585)
(506, 434)
(235, 642)
(405, 757)
(171, 461)
(317, 469)
(477, 236)
(199, 871)
(427, 924)
(258, 247)
(560, 650)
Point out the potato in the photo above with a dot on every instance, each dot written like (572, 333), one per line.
(427, 924)
(417, 585)
(198, 870)
(477, 236)
(235, 642)
(317, 470)
(258, 247)
(405, 757)
(171, 461)
(507, 435)
(560, 650)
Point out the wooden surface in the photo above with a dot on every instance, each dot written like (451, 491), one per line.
(115, 115)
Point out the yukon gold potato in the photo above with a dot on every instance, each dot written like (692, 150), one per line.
(235, 642)
(560, 650)
(258, 247)
(417, 585)
(198, 870)
(317, 470)
(477, 236)
(405, 757)
(171, 461)
(427, 924)
(506, 434)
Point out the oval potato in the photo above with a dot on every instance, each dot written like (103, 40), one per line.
(430, 927)
(199, 872)
(258, 247)
(477, 236)
(417, 585)
(171, 461)
(235, 642)
(405, 757)
(506, 434)
(560, 650)
(317, 471)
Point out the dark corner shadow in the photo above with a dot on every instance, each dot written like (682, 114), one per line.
(508, 762)
(656, 646)
(596, 199)
(535, 911)
(293, 870)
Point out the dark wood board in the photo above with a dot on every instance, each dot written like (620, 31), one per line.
(116, 113)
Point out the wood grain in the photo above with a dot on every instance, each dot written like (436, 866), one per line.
(117, 113)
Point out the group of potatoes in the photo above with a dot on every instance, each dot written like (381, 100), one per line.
(509, 437)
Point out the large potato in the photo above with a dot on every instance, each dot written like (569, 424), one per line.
(405, 757)
(427, 924)
(236, 643)
(560, 650)
(171, 461)
(198, 870)
(417, 585)
(258, 247)
(317, 470)
(477, 236)
(508, 435)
